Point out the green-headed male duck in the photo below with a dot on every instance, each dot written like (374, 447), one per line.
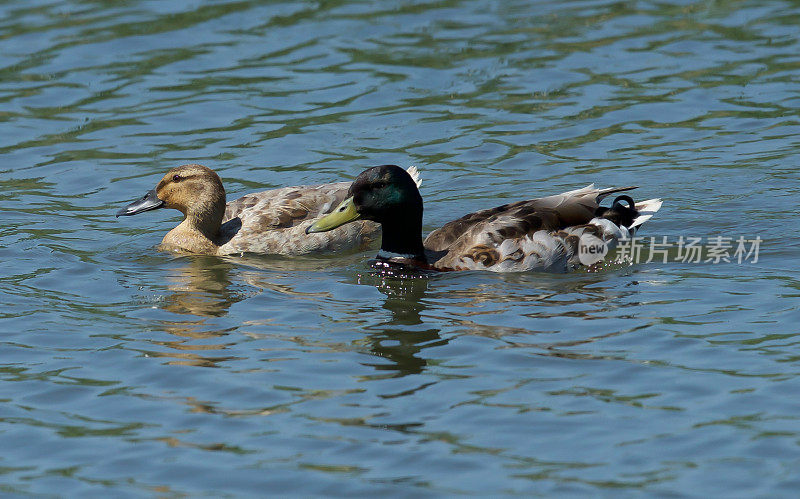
(269, 222)
(535, 234)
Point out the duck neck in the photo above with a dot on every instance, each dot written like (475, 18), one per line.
(200, 228)
(402, 237)
(207, 219)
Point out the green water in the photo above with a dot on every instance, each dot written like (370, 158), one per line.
(127, 372)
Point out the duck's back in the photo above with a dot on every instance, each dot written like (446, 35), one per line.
(274, 222)
(534, 234)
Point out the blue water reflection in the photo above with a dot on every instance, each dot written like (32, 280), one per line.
(125, 371)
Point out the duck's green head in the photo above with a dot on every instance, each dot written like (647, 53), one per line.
(383, 194)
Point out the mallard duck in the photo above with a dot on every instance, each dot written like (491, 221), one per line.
(271, 222)
(535, 234)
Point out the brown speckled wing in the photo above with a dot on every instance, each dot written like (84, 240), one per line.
(275, 221)
(478, 235)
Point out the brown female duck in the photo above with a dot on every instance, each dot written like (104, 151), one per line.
(271, 222)
(536, 234)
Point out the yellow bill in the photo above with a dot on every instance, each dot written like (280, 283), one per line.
(345, 212)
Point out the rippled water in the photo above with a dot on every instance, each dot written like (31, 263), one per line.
(124, 371)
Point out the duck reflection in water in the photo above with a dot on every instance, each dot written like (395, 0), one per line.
(399, 339)
(200, 290)
(573, 303)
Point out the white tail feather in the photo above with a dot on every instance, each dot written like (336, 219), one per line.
(646, 210)
(414, 172)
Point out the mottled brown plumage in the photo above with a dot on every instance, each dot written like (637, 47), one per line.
(270, 222)
(475, 239)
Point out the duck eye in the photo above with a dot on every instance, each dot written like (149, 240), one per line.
(177, 178)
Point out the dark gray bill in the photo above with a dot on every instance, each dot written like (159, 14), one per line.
(149, 202)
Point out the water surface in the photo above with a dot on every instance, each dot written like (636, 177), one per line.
(128, 372)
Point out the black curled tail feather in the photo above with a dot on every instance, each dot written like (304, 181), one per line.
(620, 214)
